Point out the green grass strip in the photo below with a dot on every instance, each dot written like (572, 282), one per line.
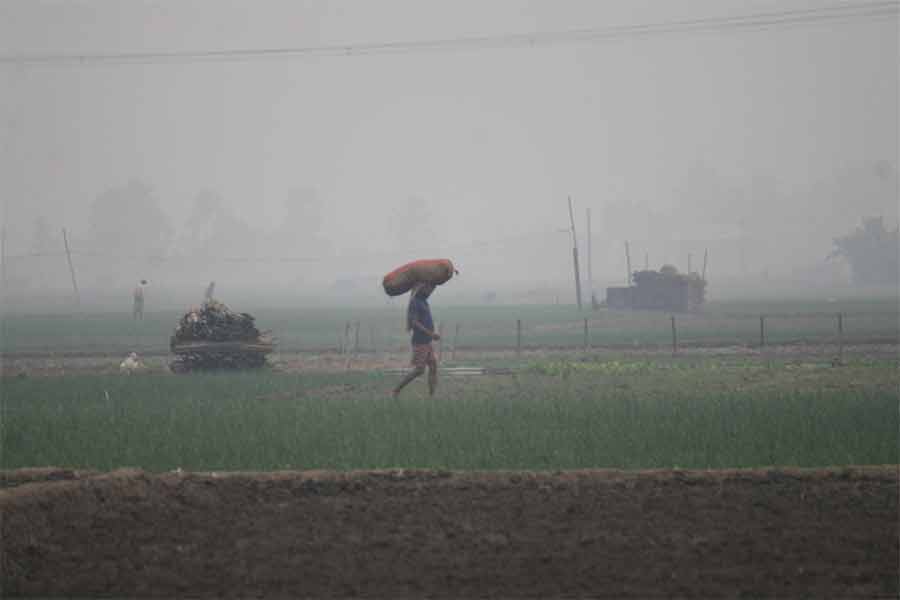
(261, 421)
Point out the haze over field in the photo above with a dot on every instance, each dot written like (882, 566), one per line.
(307, 176)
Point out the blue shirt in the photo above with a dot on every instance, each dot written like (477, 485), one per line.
(421, 312)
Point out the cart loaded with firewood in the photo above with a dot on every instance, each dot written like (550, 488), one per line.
(212, 337)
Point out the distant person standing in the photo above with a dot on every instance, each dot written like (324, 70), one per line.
(138, 305)
(420, 322)
(208, 295)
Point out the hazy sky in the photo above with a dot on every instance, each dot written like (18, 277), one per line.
(672, 140)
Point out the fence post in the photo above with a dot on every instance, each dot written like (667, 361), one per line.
(840, 324)
(585, 335)
(674, 337)
(455, 340)
(518, 337)
(762, 331)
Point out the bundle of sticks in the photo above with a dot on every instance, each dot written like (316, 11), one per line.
(214, 337)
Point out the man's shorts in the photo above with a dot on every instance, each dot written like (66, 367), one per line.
(423, 356)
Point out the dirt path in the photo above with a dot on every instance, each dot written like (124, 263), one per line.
(37, 364)
(786, 533)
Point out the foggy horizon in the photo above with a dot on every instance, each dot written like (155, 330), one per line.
(308, 177)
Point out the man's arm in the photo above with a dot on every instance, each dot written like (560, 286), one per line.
(425, 330)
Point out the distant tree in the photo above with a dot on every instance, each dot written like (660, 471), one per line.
(128, 220)
(872, 252)
(206, 207)
(213, 230)
(217, 231)
(231, 236)
(199, 227)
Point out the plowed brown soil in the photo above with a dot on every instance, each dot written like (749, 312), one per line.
(763, 533)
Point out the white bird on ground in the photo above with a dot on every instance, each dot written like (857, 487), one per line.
(131, 364)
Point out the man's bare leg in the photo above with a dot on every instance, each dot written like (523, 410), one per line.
(432, 378)
(408, 378)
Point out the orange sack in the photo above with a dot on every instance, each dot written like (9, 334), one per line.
(402, 279)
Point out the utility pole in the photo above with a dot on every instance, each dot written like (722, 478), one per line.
(705, 256)
(590, 268)
(628, 263)
(71, 268)
(575, 255)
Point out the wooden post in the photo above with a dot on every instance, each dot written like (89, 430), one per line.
(575, 256)
(840, 324)
(674, 337)
(455, 341)
(628, 263)
(518, 337)
(71, 268)
(762, 330)
(586, 339)
(590, 268)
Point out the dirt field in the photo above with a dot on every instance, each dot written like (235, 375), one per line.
(785, 533)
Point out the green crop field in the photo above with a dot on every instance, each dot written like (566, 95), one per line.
(479, 327)
(561, 414)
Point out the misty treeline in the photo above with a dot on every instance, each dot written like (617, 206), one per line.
(130, 237)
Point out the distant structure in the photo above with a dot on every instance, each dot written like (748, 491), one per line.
(666, 289)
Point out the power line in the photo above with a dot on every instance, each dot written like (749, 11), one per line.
(841, 13)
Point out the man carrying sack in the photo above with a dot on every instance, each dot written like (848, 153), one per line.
(419, 321)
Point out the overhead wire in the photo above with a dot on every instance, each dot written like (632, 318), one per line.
(835, 13)
(839, 13)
